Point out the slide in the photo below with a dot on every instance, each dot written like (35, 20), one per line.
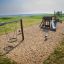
(53, 25)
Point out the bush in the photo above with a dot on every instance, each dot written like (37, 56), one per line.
(57, 57)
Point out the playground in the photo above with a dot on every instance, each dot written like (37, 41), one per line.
(33, 49)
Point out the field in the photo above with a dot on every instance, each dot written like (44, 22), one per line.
(33, 50)
(27, 21)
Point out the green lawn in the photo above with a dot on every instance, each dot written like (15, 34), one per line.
(30, 22)
(57, 57)
(8, 19)
(27, 21)
(6, 60)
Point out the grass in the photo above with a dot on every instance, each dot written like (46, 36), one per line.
(57, 57)
(8, 19)
(6, 60)
(27, 21)
(30, 22)
(8, 28)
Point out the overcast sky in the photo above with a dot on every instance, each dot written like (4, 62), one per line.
(30, 6)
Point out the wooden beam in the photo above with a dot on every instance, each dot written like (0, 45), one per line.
(21, 24)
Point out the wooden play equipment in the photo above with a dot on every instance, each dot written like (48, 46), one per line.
(46, 22)
(46, 25)
(14, 30)
(49, 22)
(16, 34)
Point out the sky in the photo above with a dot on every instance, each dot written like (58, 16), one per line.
(12, 7)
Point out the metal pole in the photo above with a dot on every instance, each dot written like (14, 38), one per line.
(21, 24)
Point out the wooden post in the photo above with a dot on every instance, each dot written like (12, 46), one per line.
(49, 24)
(21, 24)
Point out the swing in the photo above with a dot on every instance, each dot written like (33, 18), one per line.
(19, 31)
(14, 39)
(11, 39)
(8, 48)
(11, 35)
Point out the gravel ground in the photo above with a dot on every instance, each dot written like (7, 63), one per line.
(34, 50)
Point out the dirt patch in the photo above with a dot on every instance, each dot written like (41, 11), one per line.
(34, 50)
